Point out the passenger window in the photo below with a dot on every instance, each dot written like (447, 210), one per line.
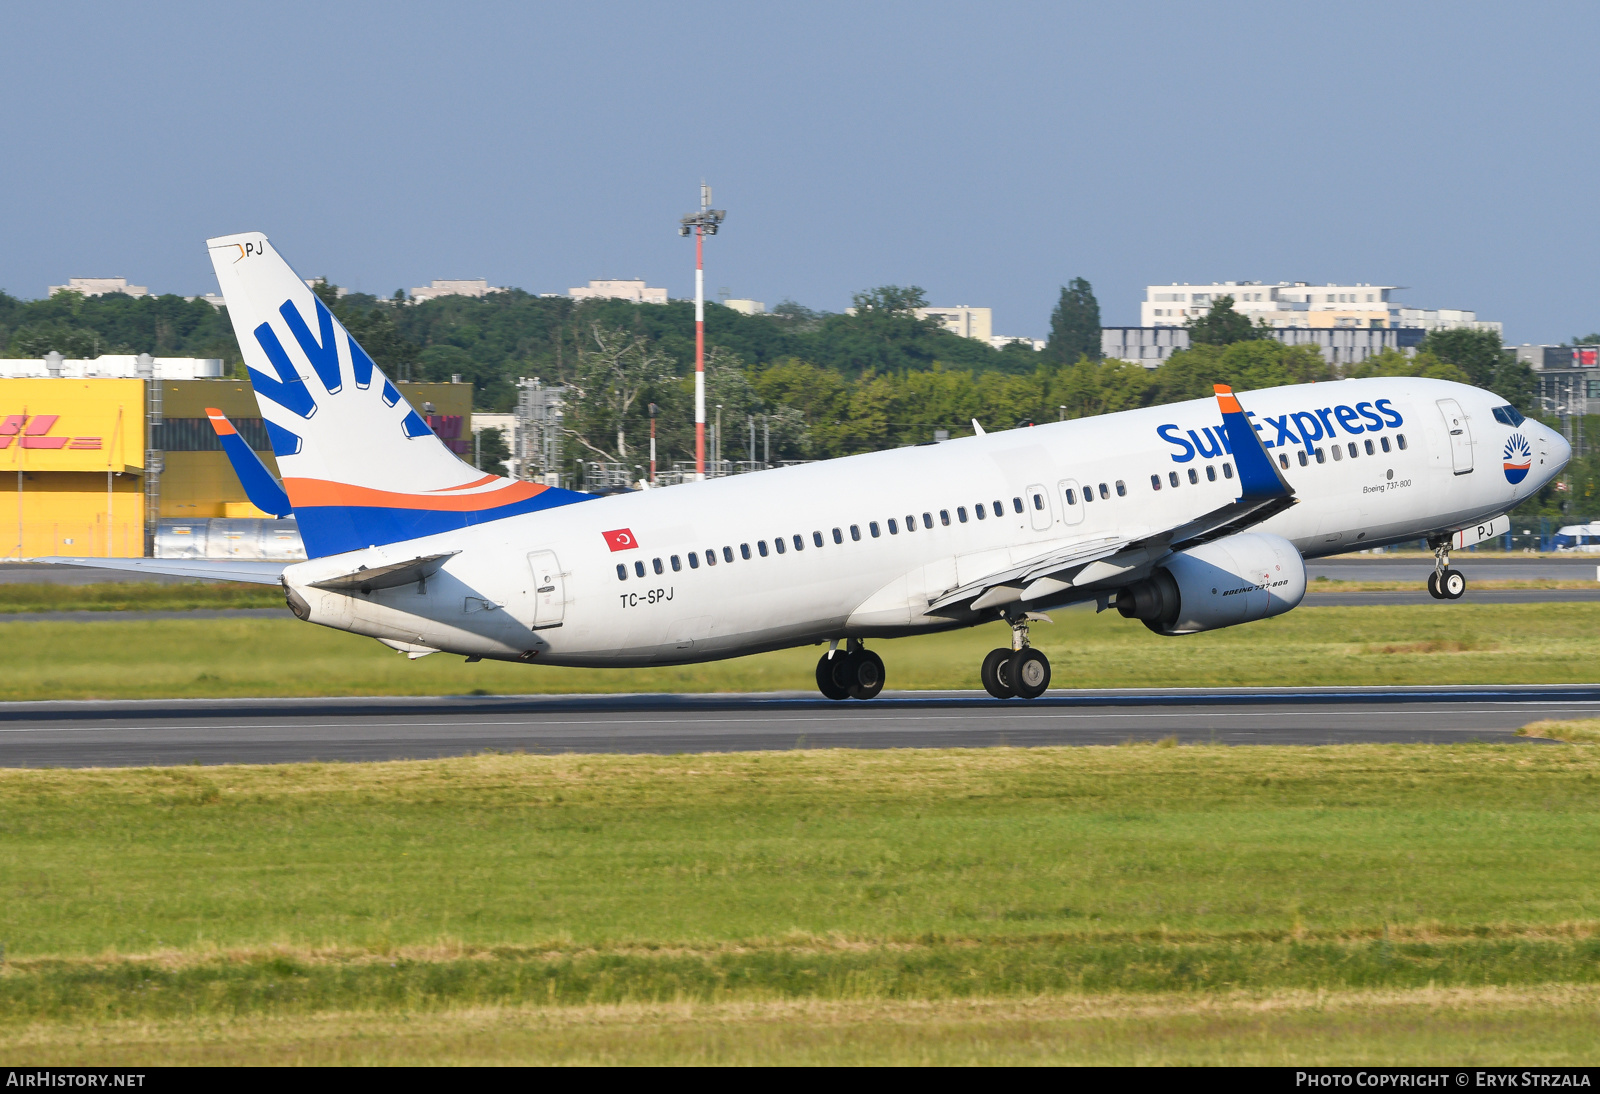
(744, 551)
(694, 561)
(1104, 493)
(1194, 477)
(961, 513)
(1384, 441)
(1211, 473)
(677, 564)
(978, 509)
(1072, 496)
(999, 510)
(911, 522)
(927, 519)
(1038, 502)
(1155, 482)
(1016, 505)
(761, 546)
(1338, 452)
(1122, 489)
(894, 527)
(1319, 456)
(800, 541)
(1353, 450)
(816, 538)
(1172, 479)
(1283, 460)
(711, 557)
(777, 541)
(656, 562)
(1088, 493)
(1400, 439)
(1302, 455)
(872, 526)
(855, 532)
(838, 538)
(1227, 470)
(622, 571)
(638, 568)
(1369, 447)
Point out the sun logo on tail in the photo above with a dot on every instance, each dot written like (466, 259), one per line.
(1517, 458)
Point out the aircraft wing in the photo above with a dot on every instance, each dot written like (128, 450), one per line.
(205, 569)
(1263, 493)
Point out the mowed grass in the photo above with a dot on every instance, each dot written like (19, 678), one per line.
(143, 596)
(1446, 643)
(1134, 904)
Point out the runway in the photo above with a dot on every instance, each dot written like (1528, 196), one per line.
(166, 732)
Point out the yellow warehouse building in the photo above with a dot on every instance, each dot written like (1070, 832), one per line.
(92, 463)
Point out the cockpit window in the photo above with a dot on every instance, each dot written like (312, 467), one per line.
(1508, 415)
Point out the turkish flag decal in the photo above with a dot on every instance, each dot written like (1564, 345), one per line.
(620, 540)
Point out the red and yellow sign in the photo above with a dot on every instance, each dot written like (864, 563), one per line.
(72, 425)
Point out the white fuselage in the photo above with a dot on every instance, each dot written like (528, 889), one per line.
(545, 587)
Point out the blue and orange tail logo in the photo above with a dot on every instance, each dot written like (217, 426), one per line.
(1517, 458)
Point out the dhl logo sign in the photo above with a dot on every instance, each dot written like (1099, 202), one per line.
(36, 431)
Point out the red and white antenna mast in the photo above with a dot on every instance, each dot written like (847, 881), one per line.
(701, 224)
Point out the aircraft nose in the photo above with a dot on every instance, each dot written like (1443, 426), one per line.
(1559, 451)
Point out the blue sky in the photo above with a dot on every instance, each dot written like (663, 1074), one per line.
(988, 152)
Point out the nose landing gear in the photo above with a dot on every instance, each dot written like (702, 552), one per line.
(1446, 582)
(851, 673)
(1019, 672)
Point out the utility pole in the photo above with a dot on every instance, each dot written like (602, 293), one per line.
(701, 224)
(652, 444)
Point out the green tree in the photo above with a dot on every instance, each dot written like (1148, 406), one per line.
(1487, 364)
(1075, 324)
(490, 451)
(1392, 362)
(613, 371)
(1221, 325)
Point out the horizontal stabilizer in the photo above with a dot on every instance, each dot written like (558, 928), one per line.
(391, 576)
(205, 569)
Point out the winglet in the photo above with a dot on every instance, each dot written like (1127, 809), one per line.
(264, 491)
(1259, 476)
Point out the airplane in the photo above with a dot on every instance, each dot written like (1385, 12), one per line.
(1186, 517)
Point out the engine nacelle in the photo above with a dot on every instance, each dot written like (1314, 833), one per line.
(1238, 579)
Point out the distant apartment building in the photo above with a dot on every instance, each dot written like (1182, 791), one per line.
(1299, 304)
(635, 290)
(746, 307)
(967, 322)
(99, 286)
(1150, 346)
(437, 289)
(1569, 378)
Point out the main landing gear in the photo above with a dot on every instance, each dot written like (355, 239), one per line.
(1019, 672)
(1446, 582)
(851, 673)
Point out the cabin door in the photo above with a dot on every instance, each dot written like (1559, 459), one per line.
(1455, 423)
(549, 589)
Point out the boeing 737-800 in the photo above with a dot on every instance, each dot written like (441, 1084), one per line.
(1185, 517)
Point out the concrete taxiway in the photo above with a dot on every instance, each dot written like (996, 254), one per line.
(159, 732)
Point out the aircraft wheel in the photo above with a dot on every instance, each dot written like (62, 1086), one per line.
(866, 675)
(1453, 584)
(1433, 586)
(825, 682)
(1029, 672)
(996, 674)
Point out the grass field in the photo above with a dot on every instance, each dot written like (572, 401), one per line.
(1136, 904)
(1444, 643)
(123, 596)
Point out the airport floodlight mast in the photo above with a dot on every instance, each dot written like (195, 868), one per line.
(701, 224)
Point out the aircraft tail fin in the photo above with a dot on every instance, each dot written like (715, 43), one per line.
(263, 490)
(360, 466)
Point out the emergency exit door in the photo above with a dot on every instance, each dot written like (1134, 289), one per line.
(1455, 423)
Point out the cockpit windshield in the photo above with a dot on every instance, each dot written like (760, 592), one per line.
(1509, 415)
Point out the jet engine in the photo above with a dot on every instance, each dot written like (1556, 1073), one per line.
(1237, 579)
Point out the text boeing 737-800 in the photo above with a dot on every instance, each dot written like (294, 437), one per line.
(1187, 517)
